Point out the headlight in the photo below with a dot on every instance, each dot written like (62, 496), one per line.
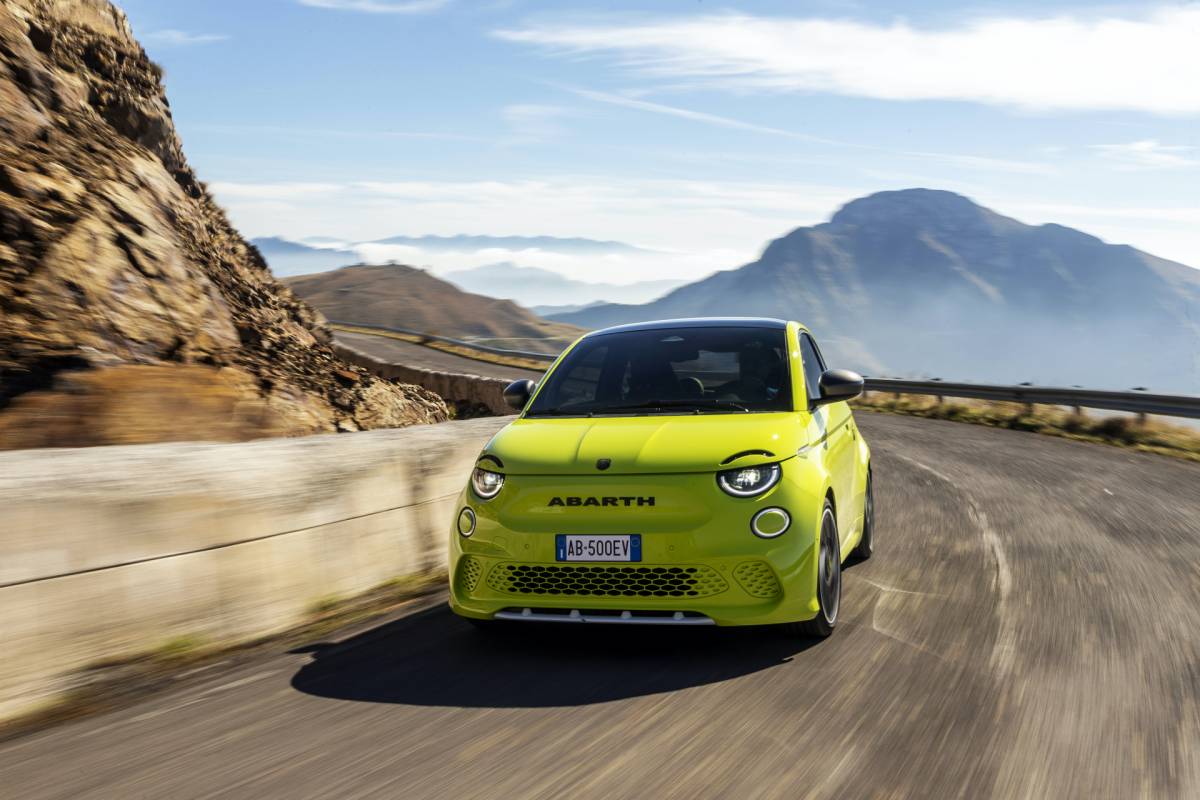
(486, 484)
(749, 481)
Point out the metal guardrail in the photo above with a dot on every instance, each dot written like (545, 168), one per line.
(499, 351)
(1134, 402)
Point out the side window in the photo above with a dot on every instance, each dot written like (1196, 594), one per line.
(580, 384)
(813, 366)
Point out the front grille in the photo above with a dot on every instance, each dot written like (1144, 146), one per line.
(469, 571)
(757, 579)
(581, 581)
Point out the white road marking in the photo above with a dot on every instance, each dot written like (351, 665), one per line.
(1005, 647)
(884, 588)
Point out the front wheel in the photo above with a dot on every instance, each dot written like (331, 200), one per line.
(829, 581)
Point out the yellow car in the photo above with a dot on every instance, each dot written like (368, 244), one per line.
(684, 472)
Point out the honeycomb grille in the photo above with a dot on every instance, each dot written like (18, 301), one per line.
(757, 579)
(580, 581)
(469, 572)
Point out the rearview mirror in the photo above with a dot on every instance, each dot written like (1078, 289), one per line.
(837, 385)
(517, 393)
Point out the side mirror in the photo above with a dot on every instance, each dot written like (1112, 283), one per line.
(517, 393)
(838, 385)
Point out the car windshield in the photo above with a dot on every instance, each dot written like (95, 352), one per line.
(719, 370)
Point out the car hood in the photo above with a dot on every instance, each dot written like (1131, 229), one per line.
(644, 445)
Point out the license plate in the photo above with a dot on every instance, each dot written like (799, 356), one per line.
(581, 547)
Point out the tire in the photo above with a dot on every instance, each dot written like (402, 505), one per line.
(829, 581)
(866, 545)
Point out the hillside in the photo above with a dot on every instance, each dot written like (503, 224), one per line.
(131, 309)
(922, 282)
(407, 297)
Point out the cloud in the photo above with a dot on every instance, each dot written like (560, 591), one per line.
(169, 37)
(273, 191)
(695, 226)
(531, 123)
(1141, 63)
(964, 161)
(1149, 154)
(379, 6)
(683, 113)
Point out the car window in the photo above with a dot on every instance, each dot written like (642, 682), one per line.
(676, 370)
(581, 378)
(813, 365)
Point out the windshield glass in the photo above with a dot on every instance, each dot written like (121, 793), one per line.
(671, 371)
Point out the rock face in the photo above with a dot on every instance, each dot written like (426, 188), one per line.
(924, 282)
(121, 278)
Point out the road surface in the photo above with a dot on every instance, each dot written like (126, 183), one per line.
(1029, 627)
(397, 351)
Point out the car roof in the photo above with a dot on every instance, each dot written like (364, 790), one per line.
(696, 322)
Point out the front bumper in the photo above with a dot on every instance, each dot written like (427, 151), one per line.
(716, 569)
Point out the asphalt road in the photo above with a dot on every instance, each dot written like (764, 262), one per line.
(1029, 627)
(397, 351)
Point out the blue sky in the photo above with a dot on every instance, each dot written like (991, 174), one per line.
(698, 129)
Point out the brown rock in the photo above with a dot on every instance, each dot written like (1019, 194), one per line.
(120, 277)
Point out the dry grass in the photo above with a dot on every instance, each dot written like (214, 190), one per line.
(1149, 435)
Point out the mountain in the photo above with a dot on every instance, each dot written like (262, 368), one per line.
(549, 311)
(464, 242)
(131, 309)
(925, 282)
(294, 258)
(407, 297)
(533, 286)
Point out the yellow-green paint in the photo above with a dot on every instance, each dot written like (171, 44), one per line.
(675, 459)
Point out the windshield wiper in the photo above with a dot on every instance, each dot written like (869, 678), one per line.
(560, 412)
(697, 405)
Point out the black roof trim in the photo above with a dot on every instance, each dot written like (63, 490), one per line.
(696, 322)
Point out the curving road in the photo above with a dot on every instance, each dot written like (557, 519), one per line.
(397, 351)
(1028, 628)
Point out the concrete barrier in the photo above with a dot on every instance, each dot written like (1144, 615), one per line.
(471, 395)
(112, 551)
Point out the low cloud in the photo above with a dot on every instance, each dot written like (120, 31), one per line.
(169, 37)
(1149, 154)
(693, 226)
(1140, 62)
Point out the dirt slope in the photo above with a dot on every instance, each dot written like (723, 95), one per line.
(130, 309)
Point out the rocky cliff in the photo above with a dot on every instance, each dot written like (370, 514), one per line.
(130, 309)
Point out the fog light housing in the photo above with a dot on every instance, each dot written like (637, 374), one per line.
(770, 522)
(466, 522)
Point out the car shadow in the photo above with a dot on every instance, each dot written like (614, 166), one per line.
(433, 658)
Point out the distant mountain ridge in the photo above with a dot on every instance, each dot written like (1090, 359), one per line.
(533, 286)
(288, 257)
(927, 282)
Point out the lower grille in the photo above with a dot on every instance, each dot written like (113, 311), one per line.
(469, 572)
(757, 578)
(581, 581)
